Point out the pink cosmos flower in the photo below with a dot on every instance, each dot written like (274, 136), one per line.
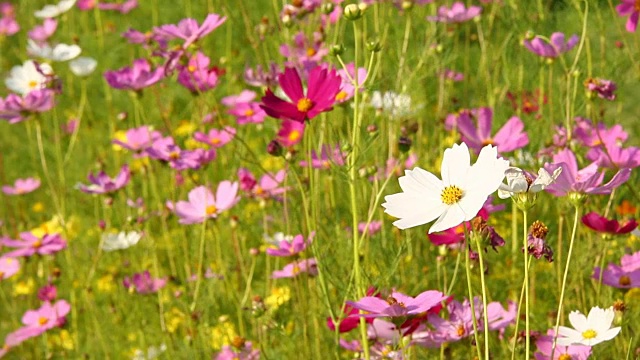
(595, 221)
(585, 181)
(510, 137)
(601, 87)
(244, 97)
(21, 186)
(297, 268)
(618, 277)
(202, 205)
(136, 77)
(544, 345)
(245, 352)
(146, 39)
(591, 135)
(123, 7)
(48, 292)
(8, 267)
(36, 322)
(293, 247)
(398, 304)
(290, 133)
(556, 47)
(630, 262)
(138, 139)
(373, 228)
(216, 138)
(189, 30)
(16, 108)
(143, 283)
(86, 5)
(610, 155)
(261, 77)
(457, 14)
(304, 53)
(328, 156)
(103, 184)
(42, 32)
(248, 113)
(346, 88)
(629, 7)
(323, 87)
(30, 245)
(8, 26)
(197, 76)
(452, 75)
(166, 150)
(270, 184)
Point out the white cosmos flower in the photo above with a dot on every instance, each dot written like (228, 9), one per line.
(51, 11)
(456, 198)
(123, 240)
(60, 52)
(396, 104)
(588, 330)
(26, 77)
(519, 182)
(83, 65)
(277, 238)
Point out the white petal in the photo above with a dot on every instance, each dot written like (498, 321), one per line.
(609, 334)
(471, 203)
(455, 164)
(504, 193)
(412, 209)
(64, 52)
(422, 181)
(544, 179)
(451, 217)
(485, 176)
(578, 321)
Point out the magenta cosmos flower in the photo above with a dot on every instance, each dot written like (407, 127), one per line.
(291, 247)
(31, 244)
(585, 181)
(290, 133)
(270, 184)
(632, 8)
(15, 108)
(197, 76)
(296, 268)
(323, 87)
(603, 88)
(103, 184)
(599, 223)
(21, 186)
(552, 49)
(8, 267)
(189, 30)
(510, 137)
(38, 321)
(458, 13)
(202, 205)
(143, 283)
(216, 138)
(398, 304)
(136, 77)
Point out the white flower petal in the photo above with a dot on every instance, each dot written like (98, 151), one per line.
(578, 321)
(455, 164)
(412, 209)
(421, 181)
(451, 217)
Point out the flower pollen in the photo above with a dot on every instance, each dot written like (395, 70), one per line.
(564, 357)
(624, 280)
(294, 135)
(42, 320)
(451, 195)
(461, 331)
(304, 104)
(33, 84)
(539, 230)
(341, 95)
(249, 112)
(211, 209)
(589, 334)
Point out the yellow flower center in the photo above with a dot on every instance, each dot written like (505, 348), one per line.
(296, 269)
(311, 51)
(174, 155)
(589, 334)
(42, 320)
(451, 195)
(624, 280)
(564, 357)
(215, 141)
(211, 209)
(488, 141)
(249, 112)
(461, 331)
(191, 68)
(33, 84)
(37, 244)
(341, 95)
(294, 135)
(636, 6)
(1, 275)
(258, 190)
(304, 104)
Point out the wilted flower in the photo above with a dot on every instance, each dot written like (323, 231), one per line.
(588, 330)
(536, 245)
(603, 88)
(122, 240)
(21, 186)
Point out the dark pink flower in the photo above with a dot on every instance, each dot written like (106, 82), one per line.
(601, 87)
(202, 205)
(297, 268)
(103, 184)
(216, 138)
(30, 245)
(595, 221)
(86, 5)
(398, 304)
(189, 30)
(42, 32)
(323, 87)
(36, 322)
(291, 247)
(268, 186)
(48, 293)
(629, 7)
(458, 13)
(197, 76)
(136, 77)
(21, 186)
(290, 133)
(16, 108)
(556, 47)
(452, 76)
(510, 137)
(123, 7)
(143, 283)
(8, 266)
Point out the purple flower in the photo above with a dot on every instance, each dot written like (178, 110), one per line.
(457, 14)
(164, 149)
(591, 135)
(585, 181)
(138, 139)
(197, 76)
(123, 8)
(36, 322)
(296, 268)
(610, 155)
(16, 108)
(143, 283)
(616, 276)
(136, 77)
(21, 186)
(103, 184)
(216, 138)
(268, 186)
(510, 137)
(189, 30)
(629, 7)
(398, 304)
(304, 53)
(544, 345)
(262, 78)
(291, 247)
(48, 292)
(556, 47)
(601, 87)
(30, 245)
(244, 351)
(42, 32)
(8, 266)
(202, 205)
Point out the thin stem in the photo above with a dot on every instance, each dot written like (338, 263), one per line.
(564, 278)
(471, 302)
(526, 285)
(200, 261)
(484, 301)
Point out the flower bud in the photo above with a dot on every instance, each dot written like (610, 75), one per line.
(407, 5)
(346, 148)
(404, 144)
(529, 35)
(327, 8)
(274, 148)
(336, 50)
(352, 12)
(374, 46)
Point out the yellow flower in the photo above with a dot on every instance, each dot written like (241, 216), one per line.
(119, 135)
(222, 334)
(185, 128)
(272, 163)
(138, 164)
(54, 226)
(37, 207)
(61, 339)
(174, 318)
(278, 297)
(23, 287)
(191, 144)
(106, 283)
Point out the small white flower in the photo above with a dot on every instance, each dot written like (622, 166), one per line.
(152, 353)
(83, 65)
(456, 198)
(519, 182)
(26, 78)
(396, 104)
(277, 238)
(588, 330)
(60, 52)
(123, 240)
(51, 11)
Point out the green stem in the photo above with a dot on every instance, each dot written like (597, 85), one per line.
(526, 285)
(467, 266)
(200, 261)
(484, 301)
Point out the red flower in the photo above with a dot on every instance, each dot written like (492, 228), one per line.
(323, 87)
(601, 224)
